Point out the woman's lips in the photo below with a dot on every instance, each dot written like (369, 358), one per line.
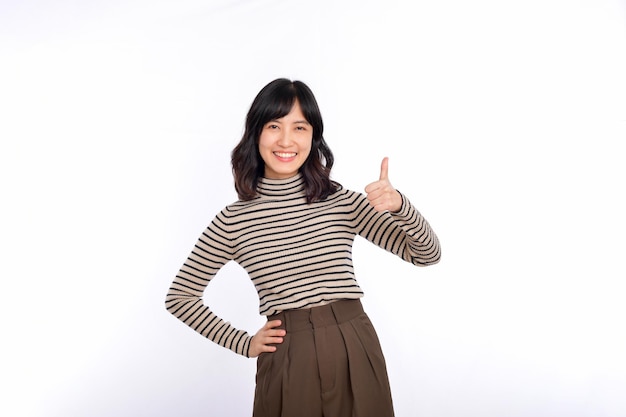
(285, 156)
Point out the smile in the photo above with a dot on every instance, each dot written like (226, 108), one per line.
(285, 155)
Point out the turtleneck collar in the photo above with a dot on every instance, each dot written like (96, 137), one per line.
(276, 188)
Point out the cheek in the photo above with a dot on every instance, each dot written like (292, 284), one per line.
(310, 148)
(307, 145)
(262, 143)
(262, 149)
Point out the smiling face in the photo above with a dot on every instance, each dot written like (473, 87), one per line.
(285, 144)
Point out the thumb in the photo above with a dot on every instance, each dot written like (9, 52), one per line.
(384, 168)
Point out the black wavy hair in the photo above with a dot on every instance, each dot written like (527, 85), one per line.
(274, 101)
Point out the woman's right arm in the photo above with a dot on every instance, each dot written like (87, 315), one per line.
(184, 298)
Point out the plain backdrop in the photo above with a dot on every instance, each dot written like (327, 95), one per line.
(504, 122)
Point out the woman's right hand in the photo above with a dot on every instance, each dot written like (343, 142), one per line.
(265, 337)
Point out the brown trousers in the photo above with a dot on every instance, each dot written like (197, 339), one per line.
(330, 364)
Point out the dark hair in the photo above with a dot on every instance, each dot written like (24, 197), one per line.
(274, 101)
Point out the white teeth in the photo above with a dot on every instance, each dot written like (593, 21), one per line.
(285, 154)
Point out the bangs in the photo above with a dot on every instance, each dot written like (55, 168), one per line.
(281, 106)
(276, 100)
(276, 105)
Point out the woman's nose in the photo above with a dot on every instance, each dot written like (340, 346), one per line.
(284, 139)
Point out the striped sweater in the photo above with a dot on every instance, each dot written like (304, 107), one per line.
(298, 255)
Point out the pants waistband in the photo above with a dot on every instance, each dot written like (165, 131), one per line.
(327, 315)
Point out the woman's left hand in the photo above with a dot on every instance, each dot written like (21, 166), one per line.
(381, 194)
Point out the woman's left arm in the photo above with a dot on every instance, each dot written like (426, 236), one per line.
(395, 225)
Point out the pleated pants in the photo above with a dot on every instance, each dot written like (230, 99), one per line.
(330, 364)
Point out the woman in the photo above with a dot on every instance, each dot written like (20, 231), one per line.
(292, 230)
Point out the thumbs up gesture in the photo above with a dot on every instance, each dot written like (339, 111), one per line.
(381, 194)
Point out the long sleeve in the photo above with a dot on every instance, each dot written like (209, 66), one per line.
(184, 298)
(405, 233)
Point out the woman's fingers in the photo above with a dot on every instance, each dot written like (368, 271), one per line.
(381, 194)
(267, 336)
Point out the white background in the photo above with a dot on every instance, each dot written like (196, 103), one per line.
(504, 122)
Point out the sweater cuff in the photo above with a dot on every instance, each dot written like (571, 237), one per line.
(405, 208)
(246, 349)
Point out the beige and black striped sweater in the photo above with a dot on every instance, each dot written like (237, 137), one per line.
(298, 255)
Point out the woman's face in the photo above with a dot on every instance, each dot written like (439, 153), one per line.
(285, 144)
